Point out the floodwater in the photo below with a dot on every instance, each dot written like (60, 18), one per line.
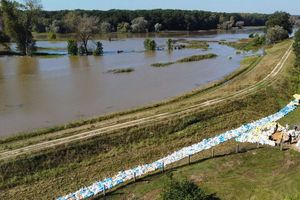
(39, 92)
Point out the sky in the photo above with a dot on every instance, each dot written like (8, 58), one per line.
(260, 6)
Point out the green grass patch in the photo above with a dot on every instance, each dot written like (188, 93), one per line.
(196, 44)
(265, 173)
(162, 64)
(243, 44)
(120, 71)
(196, 58)
(193, 58)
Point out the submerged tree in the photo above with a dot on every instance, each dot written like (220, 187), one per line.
(87, 26)
(170, 44)
(149, 44)
(72, 47)
(18, 23)
(99, 49)
(4, 40)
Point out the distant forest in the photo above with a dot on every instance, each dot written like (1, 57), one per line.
(152, 20)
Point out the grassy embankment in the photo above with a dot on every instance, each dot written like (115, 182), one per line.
(265, 173)
(68, 167)
(243, 44)
(193, 58)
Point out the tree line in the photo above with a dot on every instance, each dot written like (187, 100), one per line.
(296, 47)
(19, 21)
(149, 20)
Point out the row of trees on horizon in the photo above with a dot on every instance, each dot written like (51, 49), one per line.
(149, 20)
(19, 21)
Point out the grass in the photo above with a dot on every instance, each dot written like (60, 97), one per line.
(121, 70)
(196, 44)
(265, 173)
(162, 64)
(193, 58)
(197, 58)
(243, 44)
(70, 166)
(51, 48)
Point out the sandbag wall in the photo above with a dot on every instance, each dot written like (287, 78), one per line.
(241, 134)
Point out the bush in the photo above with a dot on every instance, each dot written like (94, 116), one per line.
(52, 36)
(170, 44)
(150, 45)
(81, 50)
(276, 34)
(72, 47)
(280, 19)
(259, 40)
(123, 27)
(99, 49)
(184, 190)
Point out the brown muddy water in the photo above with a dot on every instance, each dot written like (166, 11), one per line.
(40, 92)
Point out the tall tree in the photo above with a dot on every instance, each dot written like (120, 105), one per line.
(18, 23)
(105, 27)
(139, 25)
(276, 33)
(280, 19)
(87, 26)
(71, 20)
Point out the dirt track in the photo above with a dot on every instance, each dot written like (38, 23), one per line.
(85, 135)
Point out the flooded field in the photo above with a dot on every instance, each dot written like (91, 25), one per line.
(38, 92)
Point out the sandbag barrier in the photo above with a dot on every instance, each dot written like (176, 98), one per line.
(259, 135)
(131, 174)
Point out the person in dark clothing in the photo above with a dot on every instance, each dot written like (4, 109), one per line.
(290, 138)
(276, 128)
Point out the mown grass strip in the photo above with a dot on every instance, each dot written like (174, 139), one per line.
(193, 58)
(196, 58)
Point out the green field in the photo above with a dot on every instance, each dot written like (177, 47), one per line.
(266, 173)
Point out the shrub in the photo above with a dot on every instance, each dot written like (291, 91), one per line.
(276, 34)
(259, 40)
(99, 49)
(52, 36)
(81, 50)
(123, 27)
(184, 190)
(150, 45)
(72, 47)
(170, 44)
